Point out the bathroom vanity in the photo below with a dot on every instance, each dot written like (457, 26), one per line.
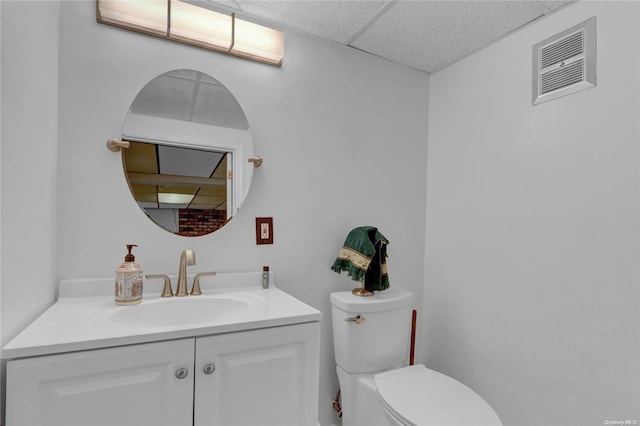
(236, 355)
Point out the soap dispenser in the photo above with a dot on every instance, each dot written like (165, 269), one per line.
(129, 280)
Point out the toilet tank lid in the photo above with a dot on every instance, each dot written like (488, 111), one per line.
(392, 298)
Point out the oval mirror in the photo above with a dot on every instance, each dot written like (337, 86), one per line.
(189, 143)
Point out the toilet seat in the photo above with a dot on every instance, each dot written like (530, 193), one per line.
(418, 396)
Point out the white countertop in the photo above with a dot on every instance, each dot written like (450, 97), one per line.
(83, 316)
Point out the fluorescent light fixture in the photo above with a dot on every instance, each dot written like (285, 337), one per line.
(172, 198)
(194, 25)
(253, 40)
(147, 16)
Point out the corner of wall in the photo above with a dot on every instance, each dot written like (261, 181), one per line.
(27, 56)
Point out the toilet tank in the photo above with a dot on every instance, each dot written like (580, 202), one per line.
(379, 341)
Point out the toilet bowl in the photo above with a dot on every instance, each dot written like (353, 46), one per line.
(371, 339)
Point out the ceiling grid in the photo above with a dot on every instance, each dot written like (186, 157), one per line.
(423, 34)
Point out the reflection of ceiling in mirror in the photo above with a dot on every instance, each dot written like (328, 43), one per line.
(190, 95)
(187, 162)
(164, 177)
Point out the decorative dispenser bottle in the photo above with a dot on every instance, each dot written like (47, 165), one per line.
(129, 280)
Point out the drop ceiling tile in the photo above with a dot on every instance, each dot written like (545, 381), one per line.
(334, 20)
(187, 162)
(141, 157)
(425, 34)
(220, 191)
(431, 34)
(552, 5)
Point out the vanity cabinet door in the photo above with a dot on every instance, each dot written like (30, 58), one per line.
(259, 377)
(125, 386)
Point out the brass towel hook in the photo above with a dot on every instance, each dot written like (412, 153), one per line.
(115, 145)
(257, 161)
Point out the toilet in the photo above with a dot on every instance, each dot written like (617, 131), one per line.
(371, 340)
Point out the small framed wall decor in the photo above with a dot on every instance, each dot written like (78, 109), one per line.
(264, 230)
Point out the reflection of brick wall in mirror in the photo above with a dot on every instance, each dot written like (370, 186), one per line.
(196, 222)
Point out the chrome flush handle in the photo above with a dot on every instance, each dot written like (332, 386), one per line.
(357, 319)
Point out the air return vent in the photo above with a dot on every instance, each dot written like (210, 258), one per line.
(565, 63)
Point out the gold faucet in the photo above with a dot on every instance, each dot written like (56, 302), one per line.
(195, 288)
(166, 291)
(187, 258)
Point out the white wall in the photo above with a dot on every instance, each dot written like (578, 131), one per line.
(532, 237)
(343, 135)
(28, 161)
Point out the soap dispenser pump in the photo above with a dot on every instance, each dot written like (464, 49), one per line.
(129, 280)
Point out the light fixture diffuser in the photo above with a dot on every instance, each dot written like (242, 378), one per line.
(255, 41)
(148, 16)
(173, 198)
(194, 25)
(198, 25)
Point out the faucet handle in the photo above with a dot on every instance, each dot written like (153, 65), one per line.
(166, 291)
(195, 289)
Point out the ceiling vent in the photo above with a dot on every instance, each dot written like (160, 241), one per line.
(565, 63)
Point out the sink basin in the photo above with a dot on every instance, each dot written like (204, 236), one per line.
(189, 310)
